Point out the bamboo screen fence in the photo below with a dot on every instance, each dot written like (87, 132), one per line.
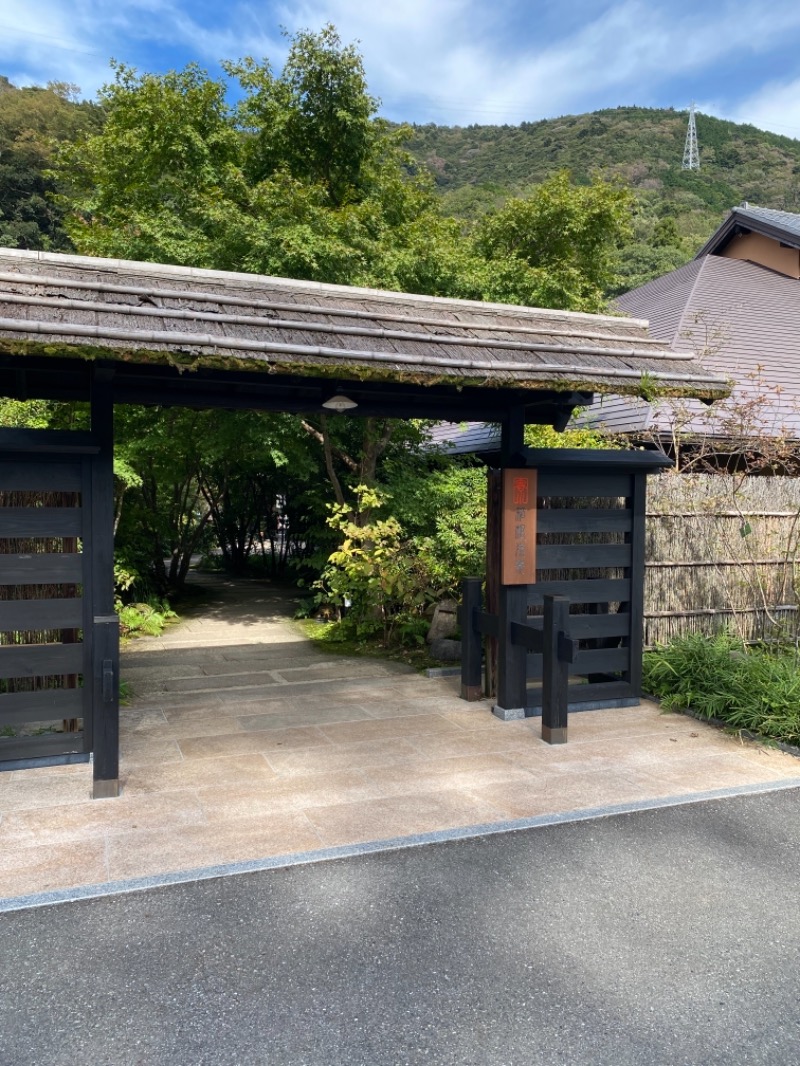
(721, 553)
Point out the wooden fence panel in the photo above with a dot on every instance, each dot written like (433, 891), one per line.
(720, 552)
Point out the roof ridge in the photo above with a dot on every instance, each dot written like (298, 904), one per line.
(99, 263)
(680, 329)
(772, 222)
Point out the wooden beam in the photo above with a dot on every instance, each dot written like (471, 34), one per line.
(105, 624)
(512, 439)
(149, 384)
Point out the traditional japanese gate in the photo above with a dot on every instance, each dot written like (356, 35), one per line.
(73, 328)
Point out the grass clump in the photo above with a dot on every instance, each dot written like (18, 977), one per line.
(144, 619)
(756, 689)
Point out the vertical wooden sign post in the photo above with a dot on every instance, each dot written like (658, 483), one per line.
(519, 527)
(517, 571)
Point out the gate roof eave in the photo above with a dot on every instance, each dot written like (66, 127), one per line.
(170, 332)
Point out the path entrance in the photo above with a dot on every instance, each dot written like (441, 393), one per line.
(111, 332)
(245, 744)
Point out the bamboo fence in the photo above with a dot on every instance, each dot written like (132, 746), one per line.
(721, 553)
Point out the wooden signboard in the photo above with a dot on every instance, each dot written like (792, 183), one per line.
(519, 527)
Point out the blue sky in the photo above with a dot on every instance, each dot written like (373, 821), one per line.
(452, 62)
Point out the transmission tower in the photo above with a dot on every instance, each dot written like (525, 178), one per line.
(691, 156)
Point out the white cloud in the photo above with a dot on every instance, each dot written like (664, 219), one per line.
(246, 32)
(776, 107)
(453, 60)
(73, 40)
(48, 41)
(448, 60)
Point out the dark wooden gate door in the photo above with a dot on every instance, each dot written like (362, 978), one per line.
(45, 606)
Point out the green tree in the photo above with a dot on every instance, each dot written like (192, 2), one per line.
(316, 120)
(162, 180)
(32, 121)
(204, 477)
(382, 580)
(561, 242)
(301, 179)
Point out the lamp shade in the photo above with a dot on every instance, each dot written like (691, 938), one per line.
(340, 402)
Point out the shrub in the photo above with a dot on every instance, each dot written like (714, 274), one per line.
(750, 688)
(381, 580)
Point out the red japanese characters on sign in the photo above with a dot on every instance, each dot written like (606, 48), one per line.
(520, 491)
(519, 527)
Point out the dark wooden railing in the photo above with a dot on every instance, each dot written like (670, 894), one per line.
(517, 637)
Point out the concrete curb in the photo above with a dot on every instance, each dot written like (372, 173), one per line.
(141, 884)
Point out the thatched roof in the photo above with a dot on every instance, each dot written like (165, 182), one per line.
(145, 313)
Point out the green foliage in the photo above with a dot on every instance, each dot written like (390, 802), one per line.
(331, 639)
(32, 121)
(566, 235)
(648, 387)
(376, 575)
(302, 179)
(200, 477)
(314, 121)
(755, 689)
(571, 437)
(144, 619)
(444, 514)
(43, 414)
(477, 167)
(161, 180)
(641, 262)
(641, 146)
(299, 180)
(136, 618)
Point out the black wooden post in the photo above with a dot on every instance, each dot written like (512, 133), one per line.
(512, 438)
(555, 670)
(105, 643)
(106, 706)
(512, 687)
(471, 641)
(494, 518)
(635, 574)
(512, 600)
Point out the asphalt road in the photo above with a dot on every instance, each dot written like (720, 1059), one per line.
(666, 938)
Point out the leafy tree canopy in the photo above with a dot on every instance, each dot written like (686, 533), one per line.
(316, 120)
(302, 179)
(567, 236)
(299, 179)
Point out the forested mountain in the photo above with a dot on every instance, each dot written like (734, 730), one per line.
(30, 121)
(641, 146)
(476, 167)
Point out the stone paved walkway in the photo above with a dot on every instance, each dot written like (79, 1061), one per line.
(243, 742)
